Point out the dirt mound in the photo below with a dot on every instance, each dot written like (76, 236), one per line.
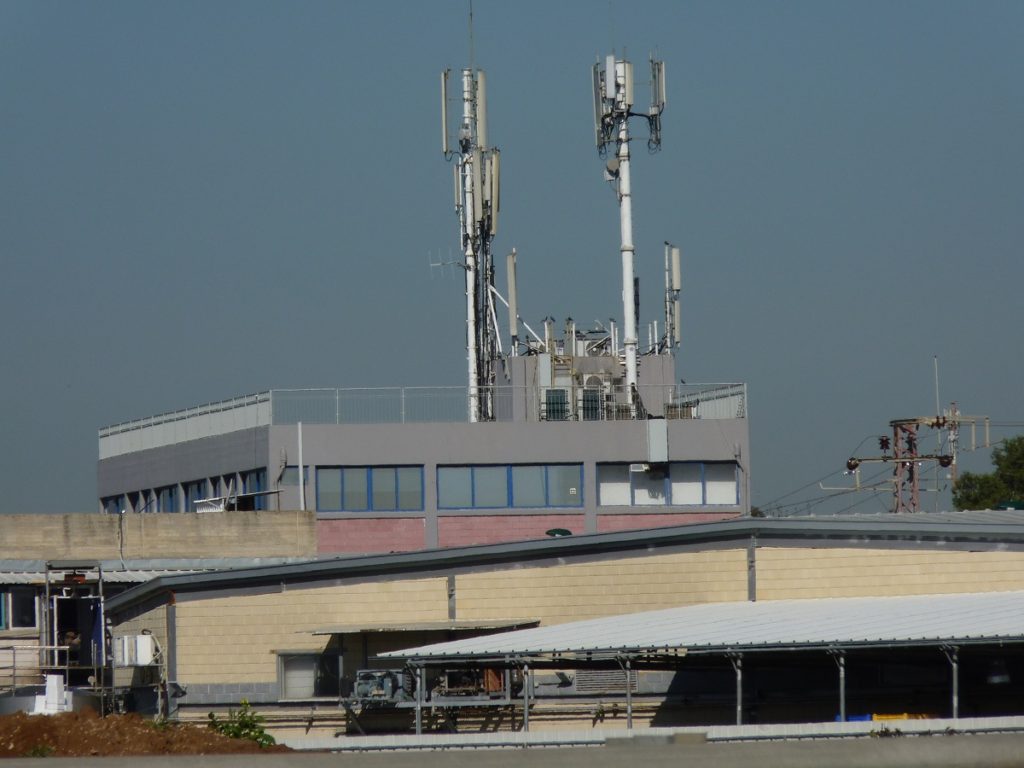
(83, 734)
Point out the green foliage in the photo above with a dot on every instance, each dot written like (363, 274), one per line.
(243, 723)
(40, 750)
(1006, 483)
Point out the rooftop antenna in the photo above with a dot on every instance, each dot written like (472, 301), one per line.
(476, 170)
(613, 106)
(673, 286)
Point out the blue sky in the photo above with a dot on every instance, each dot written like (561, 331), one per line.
(200, 200)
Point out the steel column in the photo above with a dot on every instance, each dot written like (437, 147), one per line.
(737, 664)
(953, 654)
(526, 697)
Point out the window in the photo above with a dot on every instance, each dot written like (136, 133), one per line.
(112, 505)
(255, 481)
(720, 485)
(194, 491)
(167, 499)
(290, 476)
(18, 608)
(309, 675)
(676, 484)
(363, 489)
(503, 486)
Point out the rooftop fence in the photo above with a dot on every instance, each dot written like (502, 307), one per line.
(418, 405)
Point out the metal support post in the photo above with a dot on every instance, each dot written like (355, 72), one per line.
(526, 697)
(626, 664)
(840, 658)
(419, 700)
(737, 664)
(953, 655)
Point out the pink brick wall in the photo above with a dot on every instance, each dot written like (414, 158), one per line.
(607, 523)
(493, 529)
(371, 535)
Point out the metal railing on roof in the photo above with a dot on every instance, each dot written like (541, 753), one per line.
(412, 405)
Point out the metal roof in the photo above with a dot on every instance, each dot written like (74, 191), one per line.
(427, 626)
(904, 530)
(768, 625)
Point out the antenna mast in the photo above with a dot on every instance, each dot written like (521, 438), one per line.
(477, 172)
(613, 102)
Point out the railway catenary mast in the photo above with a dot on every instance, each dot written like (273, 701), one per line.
(477, 173)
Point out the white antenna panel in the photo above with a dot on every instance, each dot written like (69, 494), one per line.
(677, 321)
(444, 112)
(657, 86)
(481, 109)
(627, 83)
(609, 78)
(456, 171)
(478, 203)
(677, 271)
(494, 177)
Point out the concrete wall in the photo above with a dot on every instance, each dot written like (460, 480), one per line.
(183, 462)
(133, 536)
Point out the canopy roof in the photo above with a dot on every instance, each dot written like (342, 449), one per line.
(829, 623)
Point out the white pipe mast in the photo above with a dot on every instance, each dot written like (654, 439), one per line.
(476, 204)
(613, 102)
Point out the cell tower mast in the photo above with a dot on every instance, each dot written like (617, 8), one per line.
(613, 103)
(476, 204)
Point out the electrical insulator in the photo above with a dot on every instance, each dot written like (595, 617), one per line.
(945, 461)
(852, 463)
(883, 443)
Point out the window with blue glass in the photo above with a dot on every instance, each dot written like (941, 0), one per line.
(255, 481)
(167, 499)
(194, 491)
(369, 489)
(503, 486)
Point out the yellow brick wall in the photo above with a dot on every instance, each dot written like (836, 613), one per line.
(155, 622)
(834, 572)
(580, 591)
(234, 639)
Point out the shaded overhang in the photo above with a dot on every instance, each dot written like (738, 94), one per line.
(829, 624)
(452, 625)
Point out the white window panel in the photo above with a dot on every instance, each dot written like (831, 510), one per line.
(720, 483)
(613, 485)
(686, 484)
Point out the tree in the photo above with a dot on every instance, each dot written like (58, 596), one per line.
(991, 490)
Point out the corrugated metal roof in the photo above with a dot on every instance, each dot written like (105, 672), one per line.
(767, 625)
(985, 530)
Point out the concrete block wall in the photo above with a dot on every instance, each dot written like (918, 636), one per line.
(571, 592)
(215, 534)
(232, 640)
(786, 573)
(152, 621)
